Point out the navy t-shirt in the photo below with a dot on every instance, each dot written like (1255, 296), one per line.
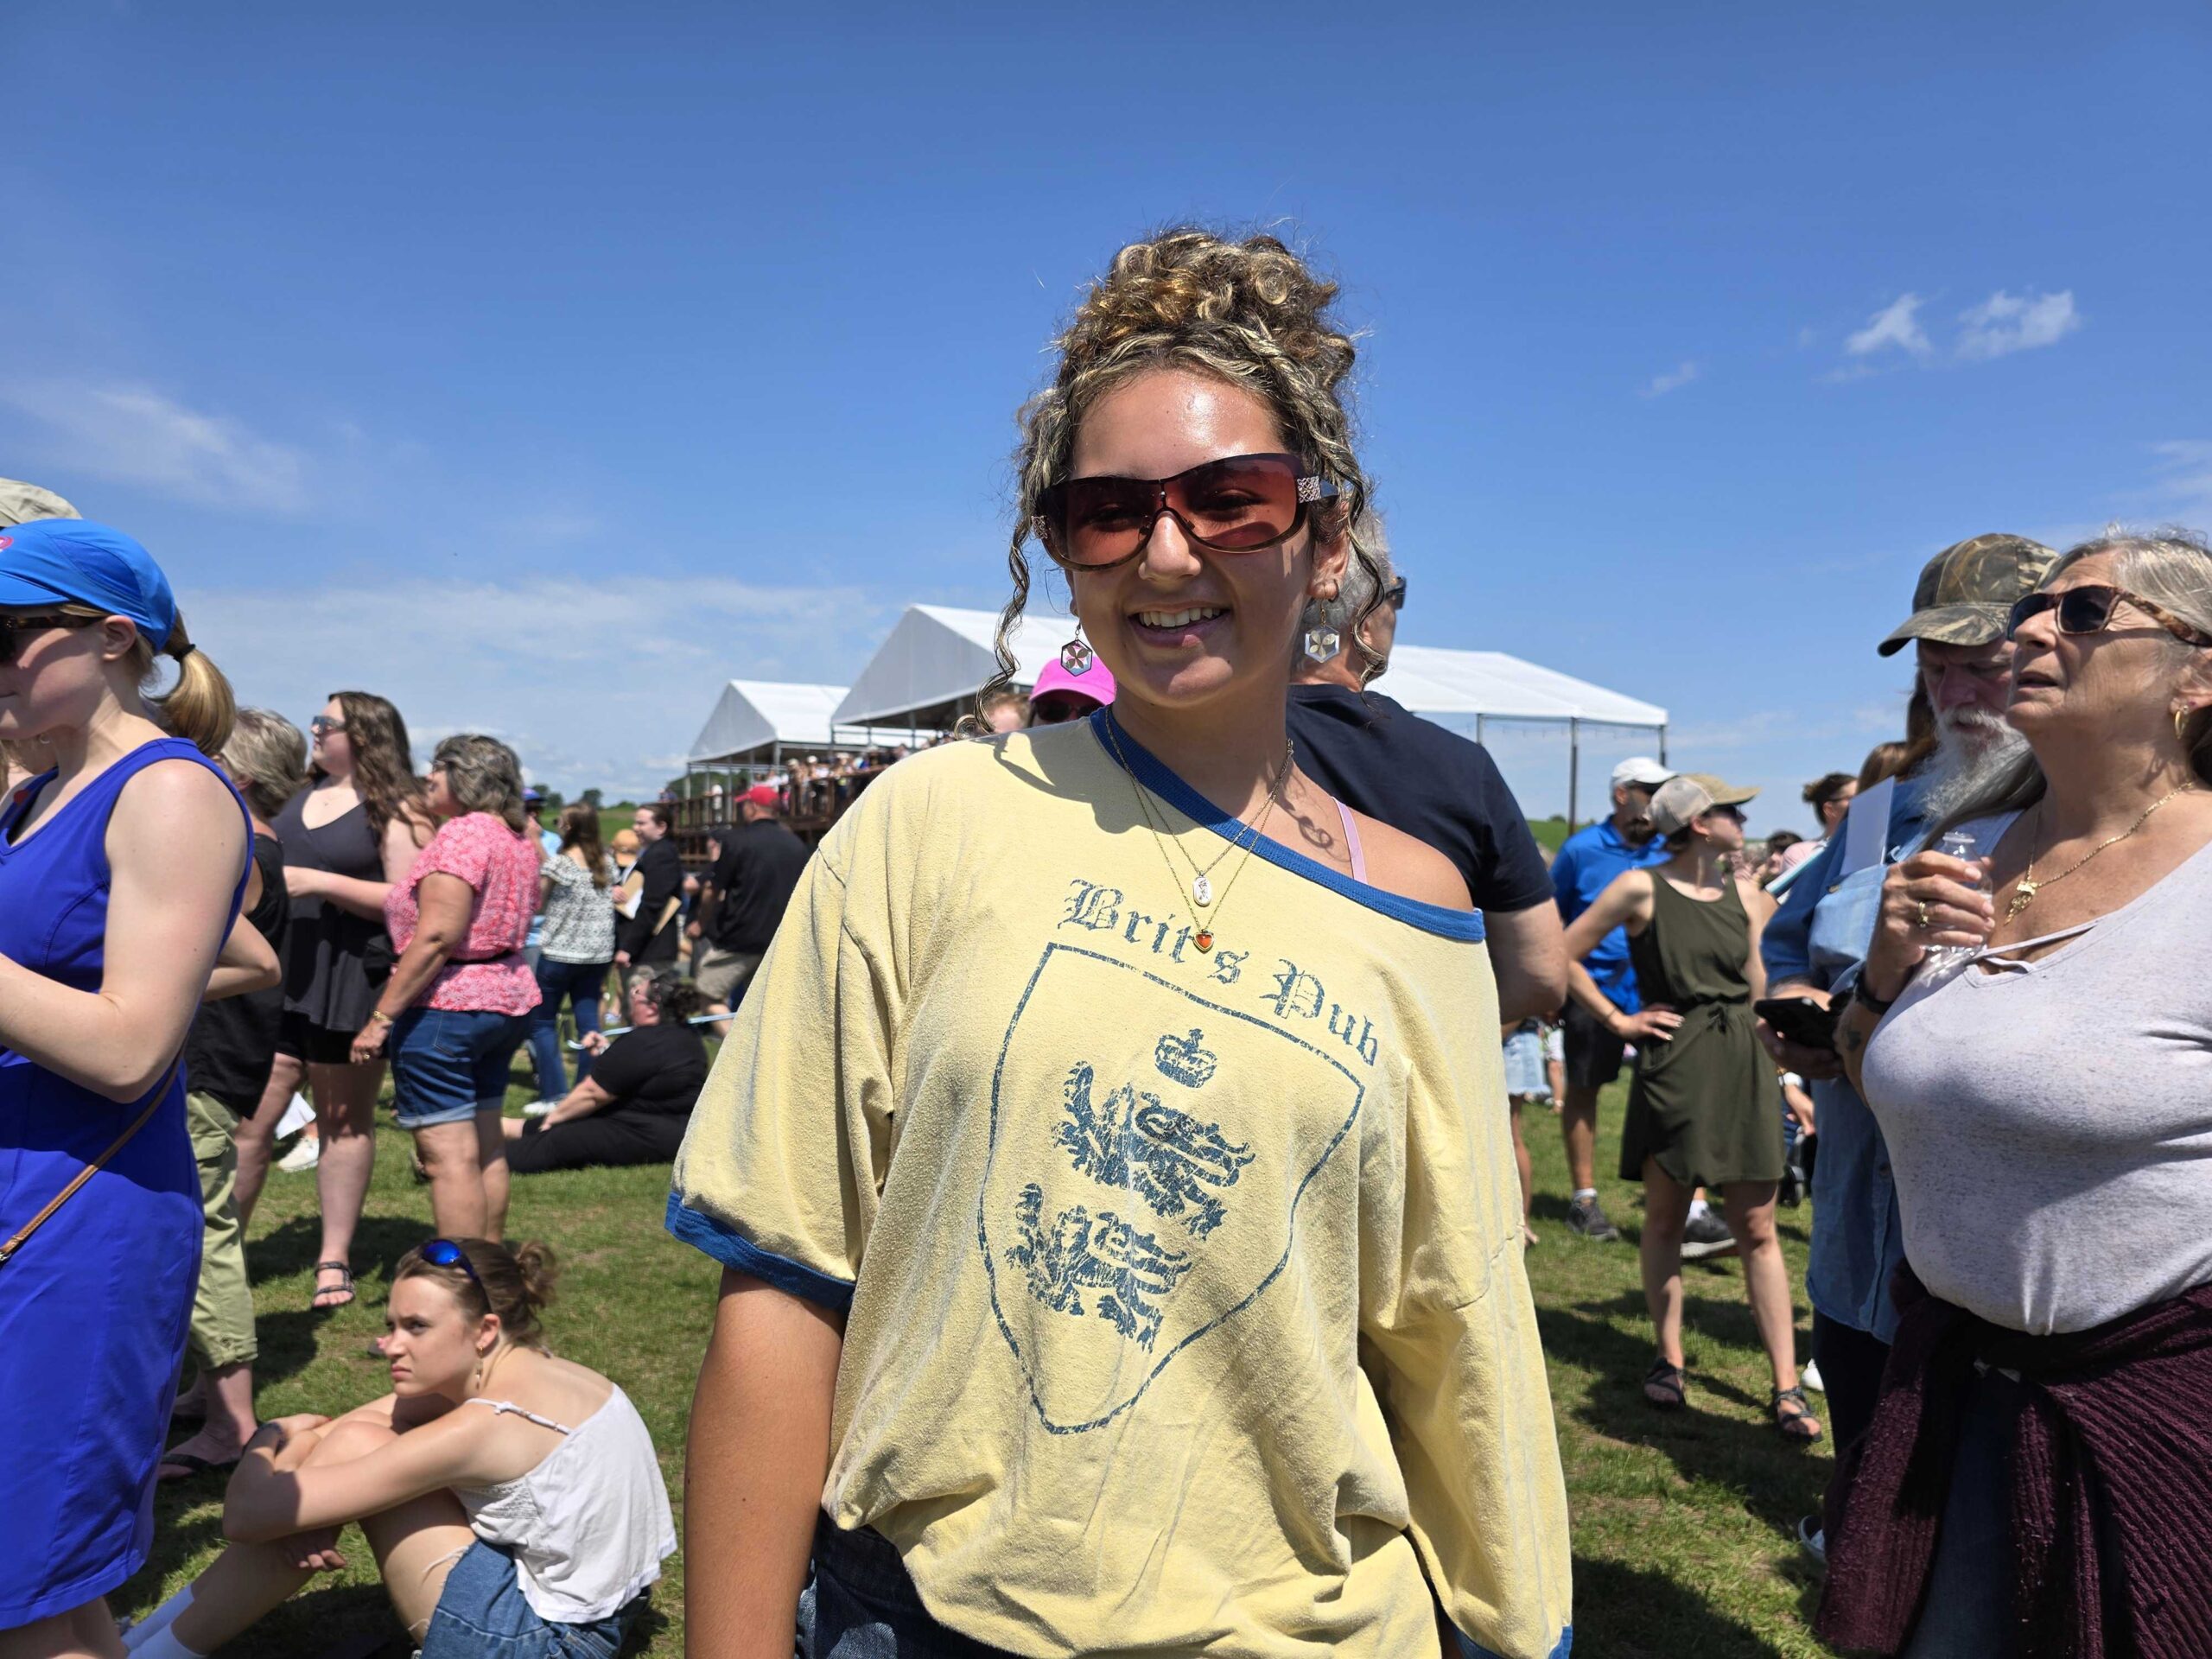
(1379, 757)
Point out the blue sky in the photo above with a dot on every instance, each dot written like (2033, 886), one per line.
(543, 366)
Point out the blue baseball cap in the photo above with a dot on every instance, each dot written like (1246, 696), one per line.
(52, 561)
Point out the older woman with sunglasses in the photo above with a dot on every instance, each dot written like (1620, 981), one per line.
(1109, 1165)
(122, 866)
(529, 1529)
(2032, 1027)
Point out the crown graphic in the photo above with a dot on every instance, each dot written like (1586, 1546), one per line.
(1185, 1059)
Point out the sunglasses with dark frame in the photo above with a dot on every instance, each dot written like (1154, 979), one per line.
(322, 725)
(14, 625)
(1394, 595)
(1240, 504)
(2089, 608)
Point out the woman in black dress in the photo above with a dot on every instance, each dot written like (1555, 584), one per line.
(348, 835)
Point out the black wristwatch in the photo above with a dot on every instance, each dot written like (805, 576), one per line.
(1866, 999)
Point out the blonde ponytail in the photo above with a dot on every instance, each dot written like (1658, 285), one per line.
(200, 708)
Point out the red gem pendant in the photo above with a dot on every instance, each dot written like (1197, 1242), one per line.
(1203, 939)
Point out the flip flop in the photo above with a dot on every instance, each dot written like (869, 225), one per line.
(194, 1467)
(346, 1289)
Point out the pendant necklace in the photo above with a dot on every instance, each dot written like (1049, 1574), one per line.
(1201, 893)
(2024, 893)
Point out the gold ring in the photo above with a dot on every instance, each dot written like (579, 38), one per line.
(1923, 915)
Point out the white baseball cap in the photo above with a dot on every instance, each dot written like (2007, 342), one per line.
(1642, 771)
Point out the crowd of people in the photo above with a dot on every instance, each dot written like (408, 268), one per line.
(1115, 1155)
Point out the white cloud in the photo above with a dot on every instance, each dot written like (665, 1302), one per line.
(2185, 478)
(592, 683)
(1673, 380)
(2005, 323)
(1895, 325)
(134, 435)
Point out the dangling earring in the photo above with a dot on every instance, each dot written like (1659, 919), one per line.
(1076, 655)
(2181, 724)
(1321, 644)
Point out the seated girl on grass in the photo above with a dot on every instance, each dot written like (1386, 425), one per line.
(511, 1498)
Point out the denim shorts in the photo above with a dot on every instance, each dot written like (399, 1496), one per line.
(859, 1604)
(449, 1064)
(482, 1614)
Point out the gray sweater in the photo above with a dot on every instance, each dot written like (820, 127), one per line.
(2049, 1123)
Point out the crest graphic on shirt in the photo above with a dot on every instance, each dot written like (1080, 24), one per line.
(1146, 1175)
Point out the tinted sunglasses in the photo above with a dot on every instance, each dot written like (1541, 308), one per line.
(444, 1253)
(2089, 608)
(1240, 504)
(13, 627)
(322, 725)
(1394, 595)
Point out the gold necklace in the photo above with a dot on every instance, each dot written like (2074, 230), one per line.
(2024, 893)
(1201, 888)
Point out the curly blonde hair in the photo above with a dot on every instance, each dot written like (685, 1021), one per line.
(1249, 313)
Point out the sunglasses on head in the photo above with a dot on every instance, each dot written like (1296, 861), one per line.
(444, 1253)
(1240, 504)
(2089, 608)
(14, 627)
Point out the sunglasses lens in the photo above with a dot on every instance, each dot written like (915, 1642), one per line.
(2084, 610)
(1239, 503)
(441, 1253)
(1100, 520)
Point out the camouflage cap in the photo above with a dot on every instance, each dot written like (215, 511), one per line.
(20, 503)
(1966, 591)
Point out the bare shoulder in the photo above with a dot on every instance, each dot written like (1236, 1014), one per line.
(1398, 863)
(174, 806)
(1757, 900)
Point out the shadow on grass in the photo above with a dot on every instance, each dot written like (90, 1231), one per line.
(1773, 1477)
(1622, 1612)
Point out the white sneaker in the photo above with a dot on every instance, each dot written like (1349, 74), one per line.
(539, 1108)
(1810, 1376)
(304, 1156)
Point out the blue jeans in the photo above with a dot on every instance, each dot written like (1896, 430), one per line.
(449, 1064)
(1967, 1608)
(859, 1604)
(481, 1614)
(581, 982)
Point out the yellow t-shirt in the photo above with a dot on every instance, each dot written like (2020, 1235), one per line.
(1185, 1303)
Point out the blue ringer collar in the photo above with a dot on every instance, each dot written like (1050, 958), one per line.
(1466, 924)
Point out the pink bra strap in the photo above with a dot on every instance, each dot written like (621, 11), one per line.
(1351, 842)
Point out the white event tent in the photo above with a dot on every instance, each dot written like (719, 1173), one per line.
(924, 674)
(758, 721)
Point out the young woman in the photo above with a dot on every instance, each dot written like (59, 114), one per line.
(634, 1106)
(122, 869)
(1704, 1108)
(577, 946)
(347, 837)
(1111, 1170)
(458, 1003)
(512, 1498)
(2046, 1108)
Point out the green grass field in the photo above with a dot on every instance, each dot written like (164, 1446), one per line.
(1683, 1524)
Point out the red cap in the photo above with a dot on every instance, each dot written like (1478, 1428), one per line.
(763, 795)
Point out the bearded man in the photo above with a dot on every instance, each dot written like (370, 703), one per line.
(1813, 946)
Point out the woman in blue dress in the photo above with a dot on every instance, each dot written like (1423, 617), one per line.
(122, 869)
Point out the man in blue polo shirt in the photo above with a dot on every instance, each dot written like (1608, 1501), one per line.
(1585, 868)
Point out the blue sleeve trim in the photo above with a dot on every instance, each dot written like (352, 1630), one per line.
(1470, 1648)
(1466, 924)
(733, 1249)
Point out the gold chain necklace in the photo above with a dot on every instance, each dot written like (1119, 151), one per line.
(2024, 893)
(1202, 895)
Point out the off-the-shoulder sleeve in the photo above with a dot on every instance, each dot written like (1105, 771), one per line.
(783, 1164)
(1450, 1344)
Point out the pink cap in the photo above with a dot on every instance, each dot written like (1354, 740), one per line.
(1095, 682)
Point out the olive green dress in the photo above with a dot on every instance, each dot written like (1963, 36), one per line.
(1705, 1107)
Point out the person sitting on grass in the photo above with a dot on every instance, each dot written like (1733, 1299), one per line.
(636, 1103)
(531, 1528)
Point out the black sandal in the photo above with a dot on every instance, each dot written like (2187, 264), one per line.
(317, 1305)
(1800, 1424)
(1666, 1387)
(194, 1467)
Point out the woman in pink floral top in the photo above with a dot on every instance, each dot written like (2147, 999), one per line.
(456, 1007)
